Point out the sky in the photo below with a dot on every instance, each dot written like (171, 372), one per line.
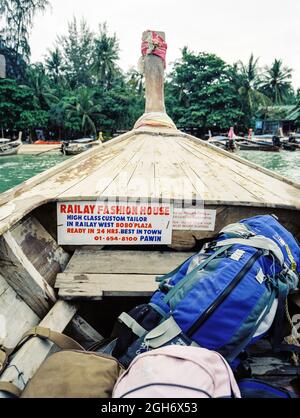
(232, 29)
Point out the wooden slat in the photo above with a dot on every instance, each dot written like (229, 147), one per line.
(40, 248)
(97, 286)
(125, 172)
(29, 358)
(175, 167)
(140, 185)
(266, 188)
(16, 316)
(221, 183)
(105, 174)
(171, 179)
(89, 261)
(23, 277)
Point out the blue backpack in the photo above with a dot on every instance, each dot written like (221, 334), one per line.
(223, 298)
(254, 388)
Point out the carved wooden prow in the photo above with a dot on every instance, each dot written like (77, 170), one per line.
(155, 115)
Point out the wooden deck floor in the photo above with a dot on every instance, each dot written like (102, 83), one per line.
(176, 167)
(93, 274)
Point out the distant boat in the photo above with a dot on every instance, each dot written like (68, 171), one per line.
(78, 146)
(253, 145)
(219, 141)
(9, 147)
(227, 143)
(292, 143)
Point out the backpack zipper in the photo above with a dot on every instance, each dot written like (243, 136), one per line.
(211, 309)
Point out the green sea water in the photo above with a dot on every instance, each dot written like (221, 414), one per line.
(286, 163)
(16, 169)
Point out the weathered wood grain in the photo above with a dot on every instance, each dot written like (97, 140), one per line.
(156, 165)
(46, 187)
(97, 286)
(31, 355)
(40, 248)
(23, 277)
(15, 316)
(91, 261)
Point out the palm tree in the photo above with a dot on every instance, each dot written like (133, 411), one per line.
(54, 64)
(39, 83)
(276, 82)
(82, 105)
(106, 53)
(19, 16)
(250, 81)
(136, 81)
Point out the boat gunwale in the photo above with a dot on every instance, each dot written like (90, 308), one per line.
(34, 181)
(244, 161)
(26, 185)
(9, 196)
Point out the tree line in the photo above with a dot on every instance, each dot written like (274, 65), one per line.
(78, 89)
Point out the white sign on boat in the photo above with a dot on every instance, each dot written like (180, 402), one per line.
(194, 219)
(106, 223)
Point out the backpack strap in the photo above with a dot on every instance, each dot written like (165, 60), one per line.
(259, 242)
(132, 324)
(62, 341)
(237, 230)
(4, 354)
(163, 333)
(161, 279)
(201, 266)
(10, 388)
(243, 344)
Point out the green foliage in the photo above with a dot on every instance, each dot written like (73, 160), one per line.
(248, 79)
(32, 119)
(15, 63)
(201, 93)
(276, 83)
(54, 65)
(74, 53)
(105, 56)
(19, 16)
(79, 89)
(82, 107)
(15, 99)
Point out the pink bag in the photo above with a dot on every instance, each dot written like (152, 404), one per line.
(178, 372)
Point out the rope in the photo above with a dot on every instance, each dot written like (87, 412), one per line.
(155, 45)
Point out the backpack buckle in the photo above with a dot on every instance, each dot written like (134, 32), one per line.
(165, 287)
(41, 332)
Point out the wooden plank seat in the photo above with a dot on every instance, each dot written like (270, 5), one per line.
(94, 274)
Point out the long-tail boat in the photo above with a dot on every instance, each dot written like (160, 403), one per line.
(85, 240)
(10, 147)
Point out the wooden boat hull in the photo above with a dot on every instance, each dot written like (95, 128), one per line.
(7, 150)
(75, 149)
(258, 147)
(290, 147)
